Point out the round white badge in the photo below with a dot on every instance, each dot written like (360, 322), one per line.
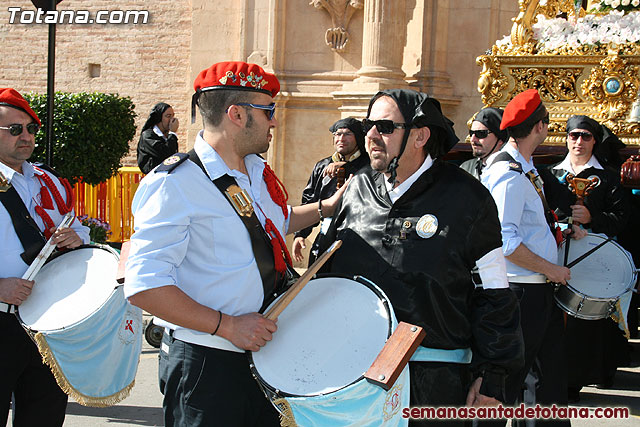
(427, 226)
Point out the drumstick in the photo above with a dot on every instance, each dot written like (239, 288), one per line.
(589, 252)
(47, 249)
(295, 289)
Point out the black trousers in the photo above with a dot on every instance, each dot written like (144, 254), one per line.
(38, 401)
(439, 385)
(205, 386)
(544, 343)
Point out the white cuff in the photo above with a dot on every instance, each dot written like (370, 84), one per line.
(493, 270)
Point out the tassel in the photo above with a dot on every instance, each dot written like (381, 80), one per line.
(280, 251)
(48, 222)
(276, 188)
(45, 198)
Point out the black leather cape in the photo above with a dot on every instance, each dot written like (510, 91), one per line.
(608, 203)
(428, 280)
(153, 149)
(321, 187)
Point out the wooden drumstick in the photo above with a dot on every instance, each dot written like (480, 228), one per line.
(295, 289)
(46, 250)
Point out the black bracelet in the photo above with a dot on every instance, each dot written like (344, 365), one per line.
(219, 322)
(320, 209)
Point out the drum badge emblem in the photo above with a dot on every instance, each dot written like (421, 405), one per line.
(392, 402)
(427, 226)
(129, 328)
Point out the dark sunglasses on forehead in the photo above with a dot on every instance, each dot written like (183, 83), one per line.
(270, 110)
(16, 129)
(382, 126)
(480, 134)
(586, 136)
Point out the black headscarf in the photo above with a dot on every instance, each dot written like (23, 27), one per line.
(155, 116)
(355, 126)
(419, 110)
(607, 143)
(491, 118)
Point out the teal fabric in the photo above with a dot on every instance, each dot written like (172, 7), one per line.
(426, 354)
(99, 355)
(361, 404)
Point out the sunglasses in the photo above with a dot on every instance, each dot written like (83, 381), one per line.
(16, 129)
(480, 134)
(586, 136)
(382, 126)
(270, 110)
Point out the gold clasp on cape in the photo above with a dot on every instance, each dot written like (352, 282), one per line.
(240, 200)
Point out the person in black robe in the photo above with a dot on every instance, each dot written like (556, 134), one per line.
(595, 348)
(158, 139)
(350, 156)
(416, 226)
(485, 138)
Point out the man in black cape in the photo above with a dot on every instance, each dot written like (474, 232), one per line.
(416, 226)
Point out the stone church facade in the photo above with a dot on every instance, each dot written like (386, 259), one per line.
(330, 56)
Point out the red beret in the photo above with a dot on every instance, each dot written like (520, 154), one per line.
(11, 98)
(520, 108)
(237, 75)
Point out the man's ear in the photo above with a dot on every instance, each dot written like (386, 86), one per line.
(422, 136)
(237, 115)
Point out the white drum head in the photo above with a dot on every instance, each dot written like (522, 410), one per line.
(607, 273)
(70, 288)
(327, 338)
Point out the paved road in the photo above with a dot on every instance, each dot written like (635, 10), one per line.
(144, 406)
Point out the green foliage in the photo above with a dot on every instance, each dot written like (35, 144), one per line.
(91, 134)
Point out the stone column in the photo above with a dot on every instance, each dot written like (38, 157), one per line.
(432, 76)
(383, 41)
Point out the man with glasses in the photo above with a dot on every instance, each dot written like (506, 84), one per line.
(330, 173)
(33, 202)
(530, 248)
(486, 138)
(595, 347)
(416, 226)
(194, 262)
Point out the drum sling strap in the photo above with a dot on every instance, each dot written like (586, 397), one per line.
(26, 228)
(273, 283)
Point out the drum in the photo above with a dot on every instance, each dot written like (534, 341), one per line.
(327, 338)
(598, 281)
(85, 329)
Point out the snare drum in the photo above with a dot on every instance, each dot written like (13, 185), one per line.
(85, 329)
(598, 281)
(327, 338)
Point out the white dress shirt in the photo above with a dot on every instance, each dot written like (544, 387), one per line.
(28, 187)
(520, 210)
(188, 235)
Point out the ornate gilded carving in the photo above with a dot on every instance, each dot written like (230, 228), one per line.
(341, 12)
(554, 84)
(491, 82)
(612, 87)
(522, 29)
